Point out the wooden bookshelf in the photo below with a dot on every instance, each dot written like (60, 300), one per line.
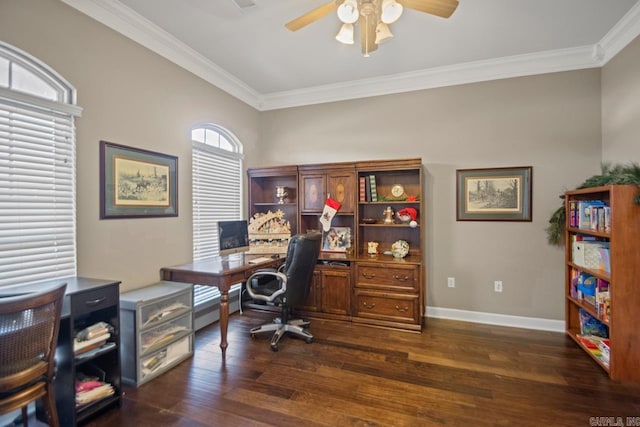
(623, 238)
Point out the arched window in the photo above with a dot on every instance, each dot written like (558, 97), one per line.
(217, 196)
(37, 170)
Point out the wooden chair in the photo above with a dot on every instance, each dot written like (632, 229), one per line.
(29, 325)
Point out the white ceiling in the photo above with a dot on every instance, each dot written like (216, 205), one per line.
(249, 53)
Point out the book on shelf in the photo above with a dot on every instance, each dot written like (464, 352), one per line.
(573, 289)
(363, 192)
(374, 188)
(600, 219)
(603, 305)
(597, 346)
(589, 214)
(94, 330)
(92, 390)
(585, 210)
(605, 261)
(607, 219)
(589, 325)
(586, 238)
(367, 185)
(605, 350)
(82, 346)
(586, 287)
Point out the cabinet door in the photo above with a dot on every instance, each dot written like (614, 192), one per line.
(313, 299)
(342, 187)
(313, 192)
(336, 288)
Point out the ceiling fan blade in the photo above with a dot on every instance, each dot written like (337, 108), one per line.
(313, 15)
(442, 8)
(368, 33)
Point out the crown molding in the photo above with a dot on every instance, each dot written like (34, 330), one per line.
(470, 72)
(122, 19)
(127, 22)
(623, 33)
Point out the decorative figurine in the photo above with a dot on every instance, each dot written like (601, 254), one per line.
(400, 249)
(372, 248)
(388, 215)
(281, 193)
(408, 215)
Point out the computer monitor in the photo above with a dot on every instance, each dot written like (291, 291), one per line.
(233, 237)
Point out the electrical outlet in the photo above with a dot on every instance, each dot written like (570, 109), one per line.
(451, 282)
(497, 286)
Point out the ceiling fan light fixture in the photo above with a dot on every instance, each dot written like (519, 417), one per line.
(391, 11)
(383, 33)
(345, 35)
(348, 12)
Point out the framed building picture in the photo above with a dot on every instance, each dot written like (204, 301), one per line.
(137, 183)
(498, 194)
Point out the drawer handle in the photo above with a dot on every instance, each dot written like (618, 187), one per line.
(95, 301)
(402, 310)
(369, 275)
(369, 306)
(400, 279)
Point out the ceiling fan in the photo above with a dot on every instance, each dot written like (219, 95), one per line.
(373, 17)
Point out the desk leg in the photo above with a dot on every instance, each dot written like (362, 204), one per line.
(224, 322)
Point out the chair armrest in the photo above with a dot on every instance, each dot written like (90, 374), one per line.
(280, 277)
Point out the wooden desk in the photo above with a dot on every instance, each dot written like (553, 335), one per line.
(222, 272)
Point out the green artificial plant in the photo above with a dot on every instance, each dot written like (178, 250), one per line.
(617, 174)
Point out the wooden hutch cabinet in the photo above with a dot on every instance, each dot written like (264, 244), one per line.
(317, 182)
(353, 285)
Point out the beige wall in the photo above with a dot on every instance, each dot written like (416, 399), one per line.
(133, 97)
(551, 122)
(621, 106)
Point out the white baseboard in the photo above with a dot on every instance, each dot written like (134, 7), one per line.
(497, 319)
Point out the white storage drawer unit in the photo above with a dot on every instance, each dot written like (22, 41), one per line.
(156, 330)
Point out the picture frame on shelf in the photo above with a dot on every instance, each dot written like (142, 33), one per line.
(137, 183)
(336, 239)
(494, 194)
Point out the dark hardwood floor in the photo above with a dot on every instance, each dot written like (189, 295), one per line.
(454, 374)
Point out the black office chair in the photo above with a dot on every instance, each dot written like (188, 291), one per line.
(29, 325)
(287, 288)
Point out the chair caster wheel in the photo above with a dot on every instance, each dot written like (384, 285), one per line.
(308, 340)
(274, 348)
(253, 336)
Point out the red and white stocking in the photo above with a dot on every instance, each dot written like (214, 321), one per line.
(330, 208)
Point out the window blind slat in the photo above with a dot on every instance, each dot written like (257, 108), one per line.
(217, 195)
(37, 198)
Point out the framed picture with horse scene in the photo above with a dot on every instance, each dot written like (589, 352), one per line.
(136, 183)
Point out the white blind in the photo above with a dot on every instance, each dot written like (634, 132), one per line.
(37, 194)
(217, 196)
